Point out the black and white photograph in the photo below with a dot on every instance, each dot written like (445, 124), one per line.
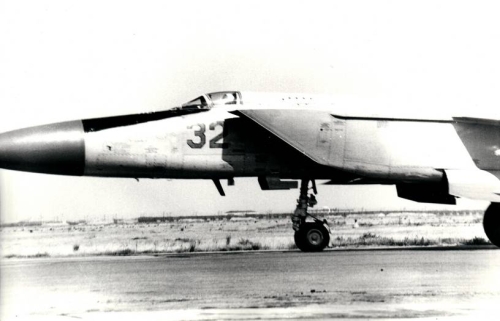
(249, 160)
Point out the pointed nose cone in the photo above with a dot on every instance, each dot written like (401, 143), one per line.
(52, 149)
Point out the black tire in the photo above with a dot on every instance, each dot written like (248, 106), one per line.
(299, 240)
(312, 237)
(491, 223)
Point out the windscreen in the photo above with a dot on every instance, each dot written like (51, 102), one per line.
(198, 103)
(213, 99)
(225, 98)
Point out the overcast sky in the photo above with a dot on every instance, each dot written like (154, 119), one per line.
(63, 60)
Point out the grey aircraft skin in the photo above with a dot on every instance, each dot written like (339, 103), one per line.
(280, 139)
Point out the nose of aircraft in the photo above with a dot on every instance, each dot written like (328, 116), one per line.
(52, 149)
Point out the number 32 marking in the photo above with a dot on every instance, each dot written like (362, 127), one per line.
(202, 139)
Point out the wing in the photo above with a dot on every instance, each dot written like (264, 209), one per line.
(378, 149)
(374, 147)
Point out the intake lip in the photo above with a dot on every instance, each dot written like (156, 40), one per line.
(52, 149)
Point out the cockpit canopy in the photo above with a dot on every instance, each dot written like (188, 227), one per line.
(211, 100)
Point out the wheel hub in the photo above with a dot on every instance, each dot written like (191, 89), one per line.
(315, 237)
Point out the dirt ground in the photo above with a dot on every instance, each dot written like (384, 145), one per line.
(237, 233)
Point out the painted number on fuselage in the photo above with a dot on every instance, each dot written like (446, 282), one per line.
(200, 133)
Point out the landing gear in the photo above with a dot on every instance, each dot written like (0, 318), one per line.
(491, 223)
(309, 236)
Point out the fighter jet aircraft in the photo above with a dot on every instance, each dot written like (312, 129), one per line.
(281, 139)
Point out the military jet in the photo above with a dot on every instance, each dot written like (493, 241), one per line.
(282, 140)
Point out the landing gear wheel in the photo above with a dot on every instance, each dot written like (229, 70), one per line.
(491, 223)
(299, 240)
(312, 237)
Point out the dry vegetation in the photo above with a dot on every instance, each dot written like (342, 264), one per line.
(239, 234)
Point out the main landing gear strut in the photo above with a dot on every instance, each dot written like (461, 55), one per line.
(309, 236)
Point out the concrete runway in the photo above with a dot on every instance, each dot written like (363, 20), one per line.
(357, 284)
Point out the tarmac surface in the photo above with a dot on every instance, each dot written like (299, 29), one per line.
(348, 284)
